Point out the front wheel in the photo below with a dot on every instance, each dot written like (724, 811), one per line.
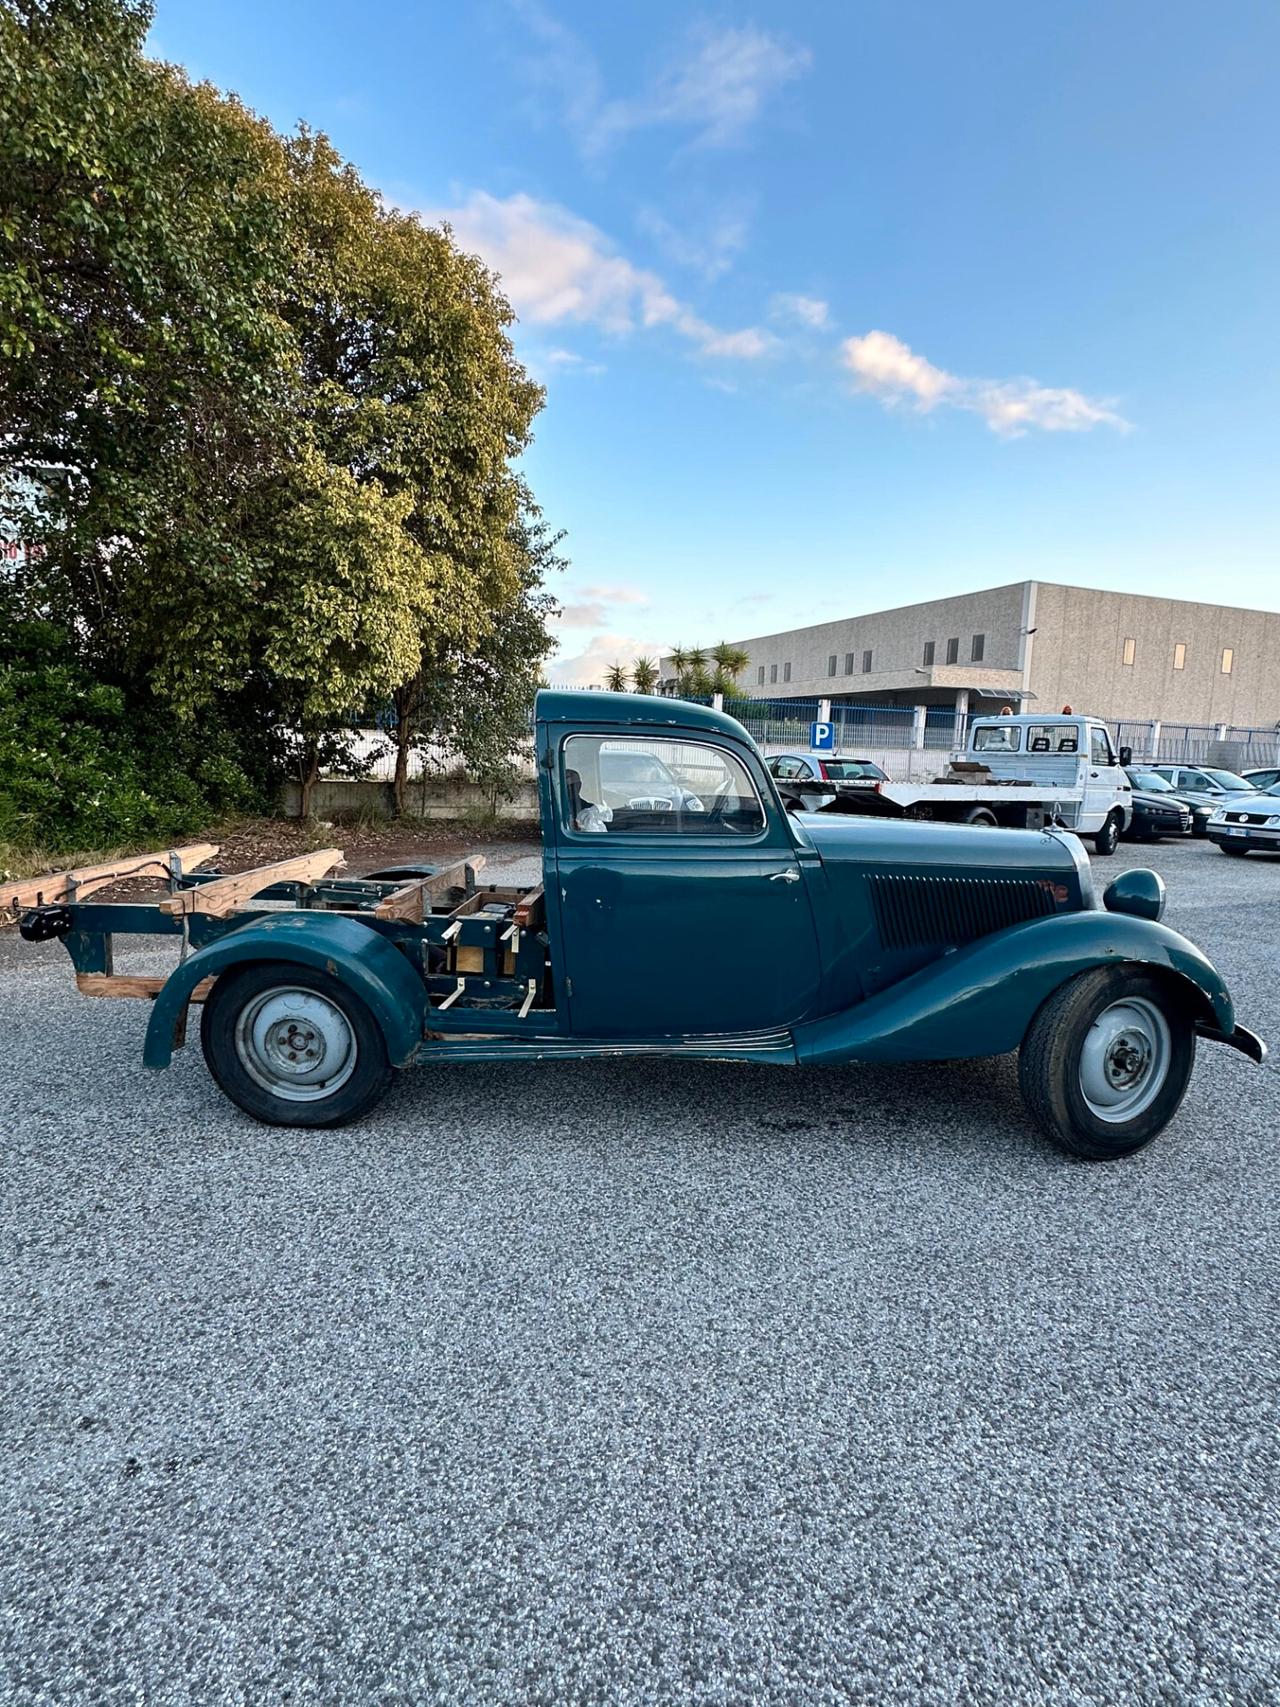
(1106, 1061)
(1233, 848)
(293, 1046)
(1108, 837)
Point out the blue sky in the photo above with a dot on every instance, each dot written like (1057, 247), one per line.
(840, 307)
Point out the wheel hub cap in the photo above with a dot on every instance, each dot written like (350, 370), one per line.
(296, 1044)
(1125, 1059)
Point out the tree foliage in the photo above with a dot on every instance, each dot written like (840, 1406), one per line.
(260, 426)
(697, 674)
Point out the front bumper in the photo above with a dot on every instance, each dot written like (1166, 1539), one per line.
(1245, 836)
(1247, 1042)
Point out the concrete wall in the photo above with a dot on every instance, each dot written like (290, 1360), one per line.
(440, 798)
(1078, 657)
(896, 640)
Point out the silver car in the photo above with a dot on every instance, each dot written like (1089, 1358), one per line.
(1203, 785)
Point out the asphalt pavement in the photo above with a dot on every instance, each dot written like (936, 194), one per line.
(638, 1383)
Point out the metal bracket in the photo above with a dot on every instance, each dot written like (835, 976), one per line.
(453, 995)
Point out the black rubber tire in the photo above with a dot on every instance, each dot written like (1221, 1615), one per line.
(1108, 837)
(1232, 848)
(983, 817)
(367, 1085)
(1048, 1063)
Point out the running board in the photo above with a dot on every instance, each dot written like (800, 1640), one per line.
(777, 1048)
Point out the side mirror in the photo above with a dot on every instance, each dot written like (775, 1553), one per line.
(1126, 756)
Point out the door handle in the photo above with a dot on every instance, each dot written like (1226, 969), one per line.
(790, 875)
(1093, 774)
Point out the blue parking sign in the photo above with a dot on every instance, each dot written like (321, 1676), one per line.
(822, 737)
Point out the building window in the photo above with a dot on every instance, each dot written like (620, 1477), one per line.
(953, 651)
(786, 672)
(1130, 650)
(928, 651)
(848, 663)
(760, 676)
(832, 661)
(978, 647)
(773, 672)
(1228, 659)
(1180, 656)
(866, 662)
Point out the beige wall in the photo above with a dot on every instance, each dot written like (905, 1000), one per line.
(896, 639)
(1078, 651)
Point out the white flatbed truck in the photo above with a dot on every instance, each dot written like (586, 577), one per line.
(1022, 772)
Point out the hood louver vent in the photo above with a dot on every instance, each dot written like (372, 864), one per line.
(919, 912)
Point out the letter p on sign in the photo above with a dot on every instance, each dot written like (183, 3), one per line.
(822, 737)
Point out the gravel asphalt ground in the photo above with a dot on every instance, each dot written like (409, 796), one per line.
(638, 1382)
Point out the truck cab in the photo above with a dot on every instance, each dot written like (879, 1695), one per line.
(1067, 756)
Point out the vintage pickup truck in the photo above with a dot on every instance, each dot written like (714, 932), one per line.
(683, 911)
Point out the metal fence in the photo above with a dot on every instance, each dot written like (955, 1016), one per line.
(1230, 745)
(775, 723)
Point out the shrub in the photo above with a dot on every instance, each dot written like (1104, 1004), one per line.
(83, 767)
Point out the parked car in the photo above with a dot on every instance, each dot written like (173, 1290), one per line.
(818, 782)
(1157, 810)
(1267, 778)
(1248, 823)
(739, 933)
(1202, 785)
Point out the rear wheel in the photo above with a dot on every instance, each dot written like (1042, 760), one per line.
(983, 816)
(1106, 1061)
(293, 1046)
(1107, 838)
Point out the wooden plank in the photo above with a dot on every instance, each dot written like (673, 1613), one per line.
(529, 909)
(467, 959)
(413, 900)
(55, 885)
(109, 984)
(223, 895)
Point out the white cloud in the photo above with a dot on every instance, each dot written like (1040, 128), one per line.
(587, 668)
(709, 249)
(558, 269)
(809, 311)
(885, 367)
(714, 85)
(617, 595)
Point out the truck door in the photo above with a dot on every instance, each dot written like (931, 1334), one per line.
(682, 903)
(1102, 780)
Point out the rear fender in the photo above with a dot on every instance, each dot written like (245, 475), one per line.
(358, 956)
(980, 999)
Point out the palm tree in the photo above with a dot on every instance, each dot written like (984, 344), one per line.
(644, 675)
(616, 679)
(730, 662)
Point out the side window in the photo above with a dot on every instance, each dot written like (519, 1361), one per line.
(1099, 747)
(641, 785)
(804, 770)
(997, 738)
(785, 767)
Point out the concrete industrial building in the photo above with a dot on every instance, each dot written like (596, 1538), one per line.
(1036, 644)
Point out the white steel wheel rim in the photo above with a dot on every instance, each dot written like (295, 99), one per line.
(296, 1044)
(1125, 1060)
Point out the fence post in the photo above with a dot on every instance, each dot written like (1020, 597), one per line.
(1222, 731)
(918, 713)
(824, 711)
(1154, 737)
(717, 702)
(962, 715)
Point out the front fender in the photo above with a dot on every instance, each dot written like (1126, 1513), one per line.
(980, 999)
(362, 959)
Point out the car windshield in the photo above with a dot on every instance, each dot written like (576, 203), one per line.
(846, 770)
(1151, 781)
(626, 770)
(1229, 779)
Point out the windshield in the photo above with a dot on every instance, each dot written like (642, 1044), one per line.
(1229, 779)
(625, 770)
(844, 770)
(1153, 783)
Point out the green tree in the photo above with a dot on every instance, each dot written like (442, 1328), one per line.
(644, 675)
(147, 377)
(616, 678)
(730, 662)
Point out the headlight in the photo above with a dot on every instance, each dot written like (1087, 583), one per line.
(1218, 816)
(1273, 822)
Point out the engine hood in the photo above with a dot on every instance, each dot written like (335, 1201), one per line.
(960, 848)
(892, 896)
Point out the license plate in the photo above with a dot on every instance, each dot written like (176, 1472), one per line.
(1237, 832)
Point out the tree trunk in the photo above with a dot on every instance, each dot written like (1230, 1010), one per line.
(310, 776)
(406, 704)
